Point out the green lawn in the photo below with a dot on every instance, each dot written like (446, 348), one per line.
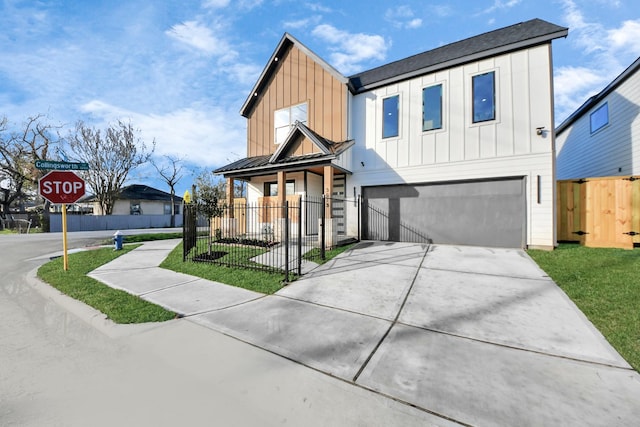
(314, 254)
(605, 285)
(119, 306)
(259, 281)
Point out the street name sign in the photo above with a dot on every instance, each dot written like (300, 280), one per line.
(61, 166)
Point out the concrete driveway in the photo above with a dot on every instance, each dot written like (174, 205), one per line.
(472, 336)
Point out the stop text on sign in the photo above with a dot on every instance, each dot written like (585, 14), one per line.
(62, 187)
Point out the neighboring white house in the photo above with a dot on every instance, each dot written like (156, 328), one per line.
(602, 137)
(139, 199)
(453, 145)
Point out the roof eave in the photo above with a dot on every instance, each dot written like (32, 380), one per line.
(259, 170)
(547, 38)
(595, 99)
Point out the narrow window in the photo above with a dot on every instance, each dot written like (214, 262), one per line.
(432, 107)
(600, 117)
(484, 97)
(284, 119)
(390, 116)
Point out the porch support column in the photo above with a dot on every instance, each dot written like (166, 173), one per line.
(229, 196)
(282, 187)
(328, 191)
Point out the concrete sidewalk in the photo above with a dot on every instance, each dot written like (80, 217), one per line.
(470, 335)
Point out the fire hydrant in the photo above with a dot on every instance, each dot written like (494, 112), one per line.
(117, 241)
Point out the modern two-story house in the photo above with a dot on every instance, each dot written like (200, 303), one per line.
(454, 145)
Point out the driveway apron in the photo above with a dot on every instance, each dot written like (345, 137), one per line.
(477, 336)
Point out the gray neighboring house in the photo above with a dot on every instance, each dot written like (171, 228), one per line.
(602, 137)
(139, 199)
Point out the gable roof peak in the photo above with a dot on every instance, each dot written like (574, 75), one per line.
(286, 43)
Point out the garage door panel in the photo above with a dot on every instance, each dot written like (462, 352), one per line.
(484, 213)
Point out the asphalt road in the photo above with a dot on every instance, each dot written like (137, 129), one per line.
(56, 369)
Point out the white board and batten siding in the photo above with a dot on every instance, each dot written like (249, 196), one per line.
(506, 147)
(612, 150)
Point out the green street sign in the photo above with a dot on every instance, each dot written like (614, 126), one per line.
(61, 166)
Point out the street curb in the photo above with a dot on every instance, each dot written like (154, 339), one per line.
(94, 318)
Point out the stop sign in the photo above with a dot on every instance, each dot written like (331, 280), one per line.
(61, 187)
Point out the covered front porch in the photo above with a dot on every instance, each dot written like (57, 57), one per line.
(316, 182)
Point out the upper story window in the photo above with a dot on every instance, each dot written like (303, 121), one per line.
(390, 116)
(600, 117)
(432, 107)
(484, 97)
(285, 118)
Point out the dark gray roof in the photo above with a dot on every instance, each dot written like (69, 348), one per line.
(503, 40)
(595, 99)
(261, 164)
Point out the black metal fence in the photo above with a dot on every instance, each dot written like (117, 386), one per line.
(268, 235)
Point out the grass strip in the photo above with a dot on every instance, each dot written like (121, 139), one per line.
(314, 254)
(254, 280)
(117, 305)
(605, 285)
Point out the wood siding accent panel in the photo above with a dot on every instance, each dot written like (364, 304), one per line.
(299, 79)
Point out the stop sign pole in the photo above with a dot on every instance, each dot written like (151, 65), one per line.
(62, 187)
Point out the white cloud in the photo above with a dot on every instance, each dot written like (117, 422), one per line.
(317, 7)
(442, 10)
(501, 5)
(606, 53)
(198, 36)
(402, 17)
(215, 4)
(202, 135)
(573, 86)
(626, 37)
(302, 23)
(349, 50)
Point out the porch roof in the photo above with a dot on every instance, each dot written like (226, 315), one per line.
(282, 159)
(262, 165)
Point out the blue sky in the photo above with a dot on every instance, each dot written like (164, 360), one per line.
(180, 70)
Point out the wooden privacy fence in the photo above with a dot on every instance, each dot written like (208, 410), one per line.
(599, 212)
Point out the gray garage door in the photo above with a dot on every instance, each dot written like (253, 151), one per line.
(481, 213)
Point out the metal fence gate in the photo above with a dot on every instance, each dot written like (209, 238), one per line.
(267, 235)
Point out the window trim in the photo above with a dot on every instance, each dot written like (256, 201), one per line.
(442, 99)
(593, 113)
(289, 110)
(397, 134)
(495, 97)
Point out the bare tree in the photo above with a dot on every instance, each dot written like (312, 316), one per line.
(111, 155)
(19, 150)
(170, 169)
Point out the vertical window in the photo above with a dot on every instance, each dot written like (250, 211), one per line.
(484, 97)
(432, 107)
(284, 119)
(390, 116)
(600, 117)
